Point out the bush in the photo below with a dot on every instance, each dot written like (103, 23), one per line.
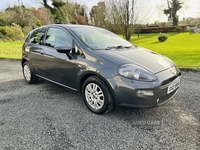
(26, 30)
(15, 32)
(4, 37)
(178, 29)
(3, 30)
(2, 22)
(162, 37)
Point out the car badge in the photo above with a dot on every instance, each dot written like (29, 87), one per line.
(173, 72)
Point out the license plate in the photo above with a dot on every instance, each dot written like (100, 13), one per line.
(173, 87)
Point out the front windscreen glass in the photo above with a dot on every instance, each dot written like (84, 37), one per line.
(98, 38)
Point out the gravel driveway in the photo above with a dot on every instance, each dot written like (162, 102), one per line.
(45, 116)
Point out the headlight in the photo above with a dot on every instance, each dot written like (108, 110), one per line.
(136, 73)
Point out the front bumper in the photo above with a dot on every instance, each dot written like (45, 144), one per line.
(125, 90)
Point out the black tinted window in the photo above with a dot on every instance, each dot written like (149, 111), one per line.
(57, 37)
(37, 36)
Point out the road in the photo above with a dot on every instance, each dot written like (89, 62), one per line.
(45, 116)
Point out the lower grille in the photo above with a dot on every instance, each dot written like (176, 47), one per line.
(170, 80)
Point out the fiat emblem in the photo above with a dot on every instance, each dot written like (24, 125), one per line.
(172, 71)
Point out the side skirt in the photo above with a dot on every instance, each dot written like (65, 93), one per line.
(56, 82)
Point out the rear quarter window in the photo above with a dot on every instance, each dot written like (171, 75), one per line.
(37, 36)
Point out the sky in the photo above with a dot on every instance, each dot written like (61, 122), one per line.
(189, 10)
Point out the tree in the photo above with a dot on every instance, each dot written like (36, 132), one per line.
(43, 15)
(173, 7)
(66, 12)
(57, 10)
(98, 14)
(123, 15)
(19, 15)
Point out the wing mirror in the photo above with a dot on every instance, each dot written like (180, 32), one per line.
(66, 50)
(63, 49)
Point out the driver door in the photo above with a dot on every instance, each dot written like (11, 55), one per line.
(58, 67)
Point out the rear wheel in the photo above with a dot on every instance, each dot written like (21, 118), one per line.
(28, 74)
(96, 95)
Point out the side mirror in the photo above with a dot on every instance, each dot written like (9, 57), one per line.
(66, 50)
(63, 49)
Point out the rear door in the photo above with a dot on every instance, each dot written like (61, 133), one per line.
(35, 48)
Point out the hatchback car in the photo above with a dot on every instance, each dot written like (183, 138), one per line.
(107, 70)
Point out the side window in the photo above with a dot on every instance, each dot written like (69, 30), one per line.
(57, 37)
(37, 36)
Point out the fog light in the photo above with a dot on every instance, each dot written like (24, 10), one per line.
(145, 92)
(158, 100)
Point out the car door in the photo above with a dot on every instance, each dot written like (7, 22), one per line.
(59, 67)
(35, 51)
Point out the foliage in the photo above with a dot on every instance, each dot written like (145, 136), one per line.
(64, 12)
(3, 30)
(3, 37)
(2, 22)
(30, 18)
(81, 19)
(122, 14)
(43, 15)
(173, 7)
(178, 29)
(98, 14)
(19, 15)
(26, 30)
(38, 23)
(162, 37)
(14, 32)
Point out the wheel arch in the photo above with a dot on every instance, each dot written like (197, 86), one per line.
(23, 60)
(90, 74)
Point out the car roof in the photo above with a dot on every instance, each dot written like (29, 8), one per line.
(68, 25)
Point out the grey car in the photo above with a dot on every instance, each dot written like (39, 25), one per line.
(107, 70)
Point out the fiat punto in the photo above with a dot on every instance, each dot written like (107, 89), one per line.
(107, 70)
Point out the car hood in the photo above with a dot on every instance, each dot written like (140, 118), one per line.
(139, 56)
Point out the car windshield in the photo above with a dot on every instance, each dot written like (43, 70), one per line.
(98, 38)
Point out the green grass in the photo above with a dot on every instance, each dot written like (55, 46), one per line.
(182, 48)
(11, 50)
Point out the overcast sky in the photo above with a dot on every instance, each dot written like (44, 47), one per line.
(192, 7)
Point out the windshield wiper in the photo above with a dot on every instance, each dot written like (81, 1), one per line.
(128, 46)
(118, 47)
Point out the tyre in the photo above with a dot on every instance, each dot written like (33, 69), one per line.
(28, 74)
(97, 96)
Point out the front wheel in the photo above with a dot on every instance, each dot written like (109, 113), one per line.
(96, 95)
(28, 74)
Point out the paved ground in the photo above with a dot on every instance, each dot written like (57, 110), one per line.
(46, 116)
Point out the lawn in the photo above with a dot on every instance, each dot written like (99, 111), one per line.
(182, 48)
(11, 50)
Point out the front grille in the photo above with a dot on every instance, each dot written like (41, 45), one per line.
(170, 80)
